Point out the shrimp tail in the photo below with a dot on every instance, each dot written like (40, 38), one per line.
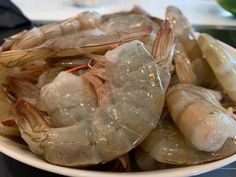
(183, 66)
(31, 124)
(29, 118)
(34, 36)
(163, 50)
(164, 44)
(17, 57)
(10, 41)
(22, 88)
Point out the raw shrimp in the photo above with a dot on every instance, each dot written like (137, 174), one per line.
(133, 96)
(198, 114)
(36, 36)
(73, 45)
(167, 144)
(221, 61)
(171, 148)
(183, 32)
(125, 21)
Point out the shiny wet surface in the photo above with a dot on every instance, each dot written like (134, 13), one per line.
(12, 168)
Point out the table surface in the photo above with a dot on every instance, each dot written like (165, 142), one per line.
(12, 168)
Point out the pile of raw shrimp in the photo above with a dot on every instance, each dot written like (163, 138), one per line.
(119, 92)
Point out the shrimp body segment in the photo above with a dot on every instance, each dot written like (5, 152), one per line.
(197, 112)
(129, 110)
(67, 99)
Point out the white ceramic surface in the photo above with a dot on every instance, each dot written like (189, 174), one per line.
(21, 153)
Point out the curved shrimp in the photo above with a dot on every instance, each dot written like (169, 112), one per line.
(198, 114)
(221, 61)
(92, 140)
(183, 32)
(36, 36)
(73, 45)
(167, 144)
